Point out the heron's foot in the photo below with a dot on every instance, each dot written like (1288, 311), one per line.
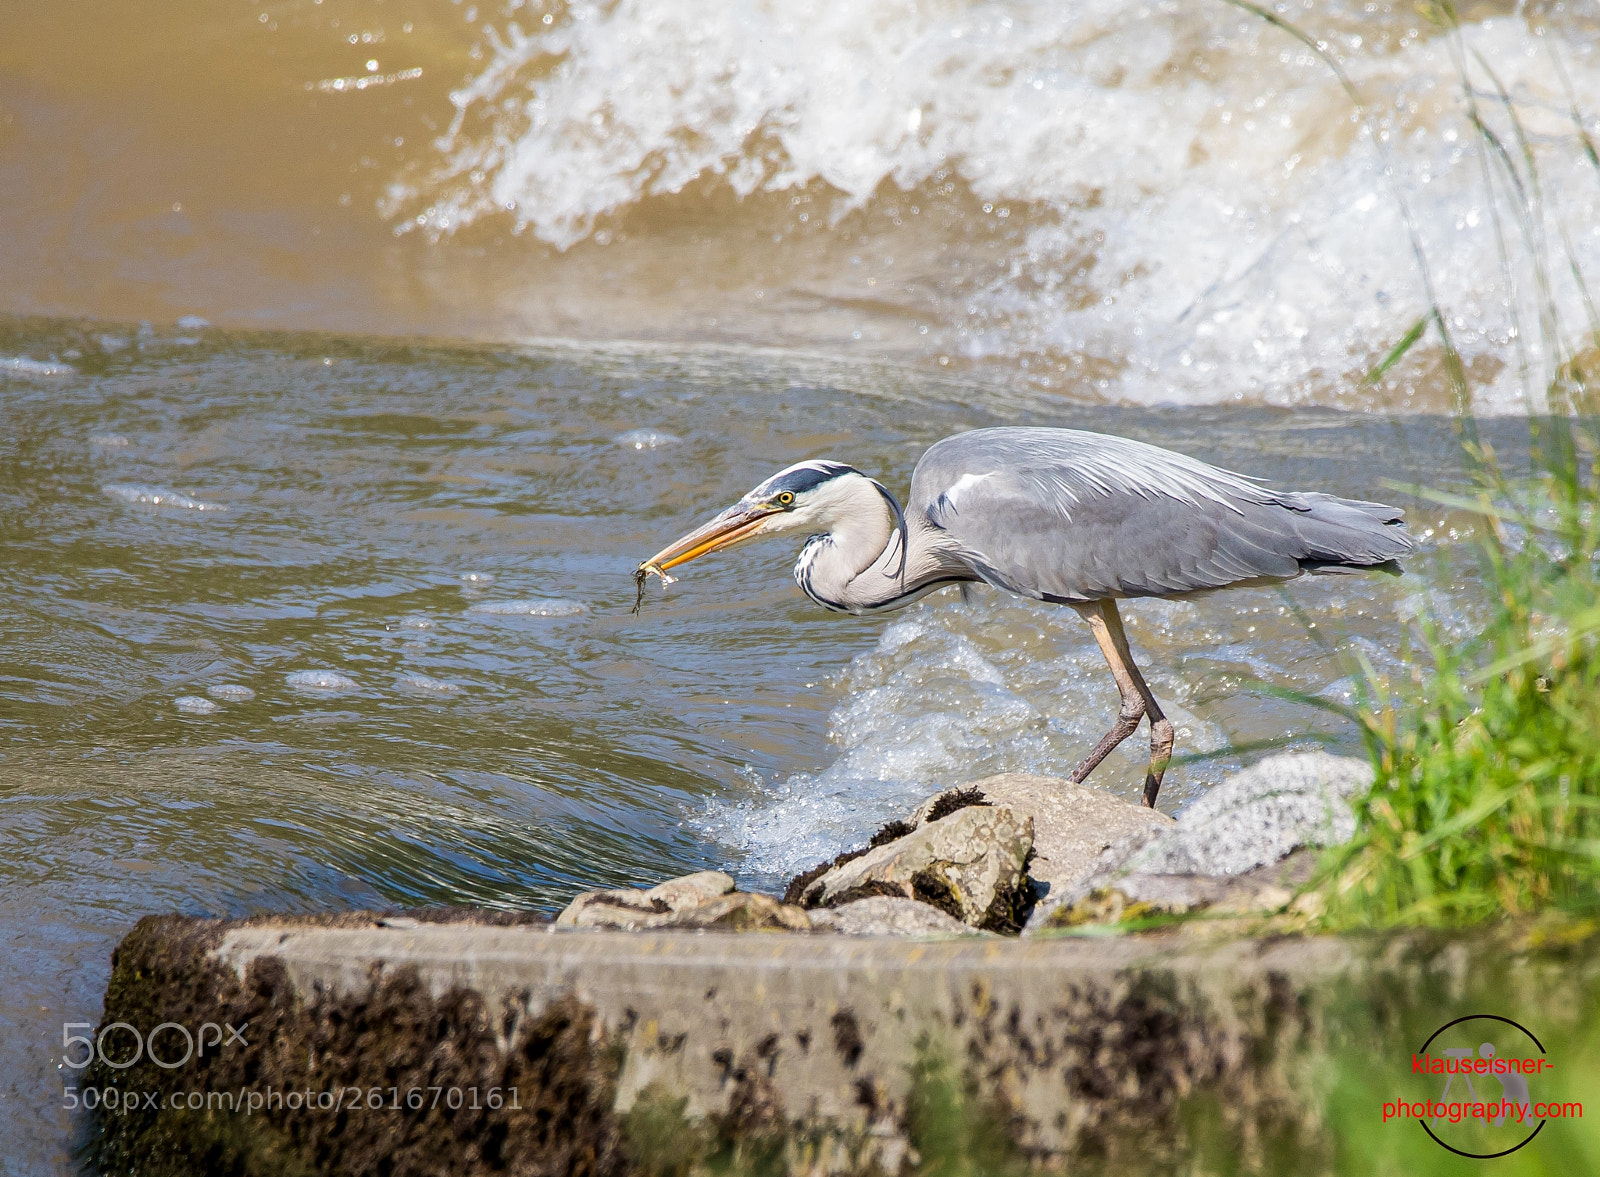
(1161, 737)
(1127, 721)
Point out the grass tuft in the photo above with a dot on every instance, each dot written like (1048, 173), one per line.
(1487, 798)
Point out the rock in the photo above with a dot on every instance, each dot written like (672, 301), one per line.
(1258, 816)
(691, 890)
(1072, 824)
(1086, 842)
(741, 911)
(941, 805)
(947, 803)
(971, 865)
(886, 915)
(1246, 824)
(1261, 891)
(704, 900)
(630, 908)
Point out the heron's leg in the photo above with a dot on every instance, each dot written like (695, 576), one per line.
(1160, 725)
(1128, 684)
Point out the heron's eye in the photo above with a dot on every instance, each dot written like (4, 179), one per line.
(786, 498)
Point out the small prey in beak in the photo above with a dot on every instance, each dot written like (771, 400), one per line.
(739, 522)
(642, 574)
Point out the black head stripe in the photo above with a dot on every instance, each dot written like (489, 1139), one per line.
(805, 478)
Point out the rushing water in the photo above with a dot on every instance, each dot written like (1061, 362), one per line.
(1152, 201)
(301, 620)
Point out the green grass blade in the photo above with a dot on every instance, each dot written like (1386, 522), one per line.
(1470, 816)
(1398, 350)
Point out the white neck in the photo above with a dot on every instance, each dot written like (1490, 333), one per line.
(854, 563)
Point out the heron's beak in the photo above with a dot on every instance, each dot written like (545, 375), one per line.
(738, 522)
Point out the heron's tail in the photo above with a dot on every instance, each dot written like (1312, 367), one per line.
(1343, 535)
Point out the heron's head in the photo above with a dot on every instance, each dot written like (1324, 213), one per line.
(814, 497)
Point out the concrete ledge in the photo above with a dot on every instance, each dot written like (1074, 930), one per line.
(620, 1044)
(829, 1025)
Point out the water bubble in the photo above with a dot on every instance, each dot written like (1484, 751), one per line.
(22, 366)
(530, 607)
(427, 684)
(645, 439)
(414, 621)
(477, 578)
(194, 705)
(231, 692)
(321, 681)
(155, 496)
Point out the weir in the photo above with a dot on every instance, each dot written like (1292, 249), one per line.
(495, 1046)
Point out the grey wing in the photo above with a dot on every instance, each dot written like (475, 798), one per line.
(1064, 515)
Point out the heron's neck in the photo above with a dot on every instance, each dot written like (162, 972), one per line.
(856, 566)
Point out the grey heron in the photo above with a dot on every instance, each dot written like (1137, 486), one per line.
(1061, 515)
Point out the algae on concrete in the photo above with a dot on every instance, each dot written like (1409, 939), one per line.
(796, 1053)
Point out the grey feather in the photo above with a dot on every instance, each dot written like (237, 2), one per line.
(1059, 514)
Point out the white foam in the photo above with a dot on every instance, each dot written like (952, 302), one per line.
(950, 694)
(645, 439)
(415, 621)
(22, 366)
(530, 607)
(192, 323)
(231, 692)
(427, 685)
(194, 705)
(328, 682)
(155, 496)
(1191, 204)
(109, 441)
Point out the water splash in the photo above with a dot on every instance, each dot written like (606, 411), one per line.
(951, 694)
(1179, 202)
(645, 439)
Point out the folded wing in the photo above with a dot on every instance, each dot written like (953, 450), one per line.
(1065, 515)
